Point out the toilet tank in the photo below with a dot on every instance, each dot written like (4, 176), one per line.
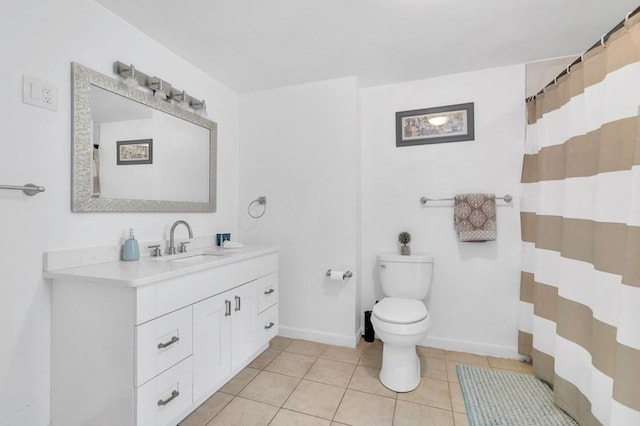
(405, 276)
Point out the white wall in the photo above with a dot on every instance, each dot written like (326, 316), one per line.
(41, 38)
(475, 287)
(312, 181)
(299, 146)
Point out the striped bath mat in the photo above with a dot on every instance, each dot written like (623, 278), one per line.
(496, 398)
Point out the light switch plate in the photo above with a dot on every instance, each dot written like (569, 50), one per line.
(39, 93)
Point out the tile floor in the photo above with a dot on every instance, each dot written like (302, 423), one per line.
(296, 382)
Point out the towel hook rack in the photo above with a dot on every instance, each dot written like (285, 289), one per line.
(28, 188)
(425, 200)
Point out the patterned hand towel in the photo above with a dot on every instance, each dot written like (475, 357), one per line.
(475, 217)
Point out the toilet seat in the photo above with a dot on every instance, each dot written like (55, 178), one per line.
(398, 310)
(383, 328)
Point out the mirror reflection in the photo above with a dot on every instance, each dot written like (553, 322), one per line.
(134, 152)
(167, 158)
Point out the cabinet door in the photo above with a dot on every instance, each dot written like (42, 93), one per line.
(243, 324)
(211, 336)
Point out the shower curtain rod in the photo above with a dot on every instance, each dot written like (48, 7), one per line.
(602, 41)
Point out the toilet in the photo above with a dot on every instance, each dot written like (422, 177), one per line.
(401, 319)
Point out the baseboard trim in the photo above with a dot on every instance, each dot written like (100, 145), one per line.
(470, 346)
(480, 348)
(320, 336)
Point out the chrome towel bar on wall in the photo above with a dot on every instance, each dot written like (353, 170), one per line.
(425, 200)
(28, 188)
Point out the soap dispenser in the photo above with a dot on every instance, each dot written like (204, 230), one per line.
(131, 251)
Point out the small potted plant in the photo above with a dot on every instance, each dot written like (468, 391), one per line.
(405, 238)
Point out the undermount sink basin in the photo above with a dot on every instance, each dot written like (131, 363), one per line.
(196, 258)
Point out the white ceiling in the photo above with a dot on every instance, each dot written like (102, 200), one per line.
(256, 44)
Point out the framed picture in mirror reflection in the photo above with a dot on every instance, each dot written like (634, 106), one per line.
(134, 152)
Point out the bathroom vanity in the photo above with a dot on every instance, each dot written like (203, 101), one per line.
(144, 343)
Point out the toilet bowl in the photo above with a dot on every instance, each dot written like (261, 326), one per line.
(401, 320)
(401, 325)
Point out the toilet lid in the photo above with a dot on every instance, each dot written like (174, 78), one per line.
(399, 310)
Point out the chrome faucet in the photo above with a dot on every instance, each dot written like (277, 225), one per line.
(172, 247)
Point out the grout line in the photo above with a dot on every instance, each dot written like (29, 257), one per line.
(220, 411)
(289, 396)
(395, 406)
(252, 379)
(333, 418)
(295, 388)
(279, 352)
(302, 412)
(268, 403)
(344, 393)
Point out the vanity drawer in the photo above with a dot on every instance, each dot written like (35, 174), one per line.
(162, 342)
(267, 288)
(166, 398)
(267, 325)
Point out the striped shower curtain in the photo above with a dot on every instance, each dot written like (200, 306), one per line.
(580, 283)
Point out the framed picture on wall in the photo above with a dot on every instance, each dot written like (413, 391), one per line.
(134, 152)
(451, 123)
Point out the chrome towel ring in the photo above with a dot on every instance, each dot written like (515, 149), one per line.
(261, 201)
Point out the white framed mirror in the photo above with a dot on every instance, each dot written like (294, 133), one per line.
(133, 152)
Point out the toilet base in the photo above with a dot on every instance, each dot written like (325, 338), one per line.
(400, 368)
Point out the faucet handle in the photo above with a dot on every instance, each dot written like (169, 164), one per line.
(157, 251)
(183, 247)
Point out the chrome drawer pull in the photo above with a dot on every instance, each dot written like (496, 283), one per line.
(271, 324)
(227, 304)
(173, 340)
(270, 291)
(174, 395)
(237, 303)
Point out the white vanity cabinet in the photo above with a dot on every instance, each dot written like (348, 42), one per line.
(225, 336)
(149, 354)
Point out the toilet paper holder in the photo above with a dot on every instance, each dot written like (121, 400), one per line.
(347, 274)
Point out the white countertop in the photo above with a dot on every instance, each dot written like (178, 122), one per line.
(149, 270)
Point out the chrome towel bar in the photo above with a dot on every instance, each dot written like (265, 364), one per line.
(425, 200)
(28, 188)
